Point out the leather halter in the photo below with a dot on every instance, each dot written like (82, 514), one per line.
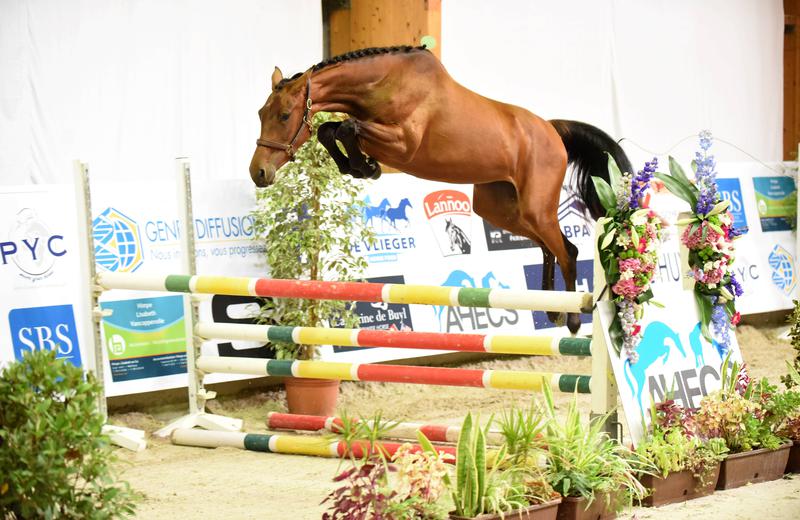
(289, 148)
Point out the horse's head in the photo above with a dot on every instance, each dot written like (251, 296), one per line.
(285, 126)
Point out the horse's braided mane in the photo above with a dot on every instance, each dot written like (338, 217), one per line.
(354, 55)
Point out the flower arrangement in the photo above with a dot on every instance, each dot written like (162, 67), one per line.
(630, 233)
(709, 237)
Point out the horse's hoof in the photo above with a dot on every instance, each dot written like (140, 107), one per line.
(573, 323)
(374, 167)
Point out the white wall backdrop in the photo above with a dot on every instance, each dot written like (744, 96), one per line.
(128, 84)
(653, 71)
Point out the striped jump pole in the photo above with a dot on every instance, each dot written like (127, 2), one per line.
(552, 301)
(294, 444)
(496, 344)
(497, 379)
(399, 430)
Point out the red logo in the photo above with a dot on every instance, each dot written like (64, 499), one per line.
(447, 202)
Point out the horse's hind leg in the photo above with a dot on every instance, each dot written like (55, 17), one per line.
(367, 167)
(326, 134)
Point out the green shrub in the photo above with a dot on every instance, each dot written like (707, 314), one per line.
(54, 460)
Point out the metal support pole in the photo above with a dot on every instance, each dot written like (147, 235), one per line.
(197, 394)
(603, 384)
(90, 308)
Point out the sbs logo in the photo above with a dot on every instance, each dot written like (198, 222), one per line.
(117, 242)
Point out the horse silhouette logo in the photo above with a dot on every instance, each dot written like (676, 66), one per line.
(658, 341)
(393, 215)
(458, 239)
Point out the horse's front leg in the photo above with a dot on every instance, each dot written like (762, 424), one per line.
(326, 134)
(360, 165)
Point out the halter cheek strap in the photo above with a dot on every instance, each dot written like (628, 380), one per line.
(289, 148)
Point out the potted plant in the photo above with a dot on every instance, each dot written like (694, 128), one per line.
(748, 416)
(595, 474)
(307, 220)
(504, 490)
(687, 465)
(791, 429)
(411, 484)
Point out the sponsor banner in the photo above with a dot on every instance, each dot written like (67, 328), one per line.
(673, 358)
(449, 213)
(498, 239)
(731, 190)
(776, 200)
(45, 328)
(392, 219)
(380, 315)
(145, 337)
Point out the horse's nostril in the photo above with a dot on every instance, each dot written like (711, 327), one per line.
(262, 174)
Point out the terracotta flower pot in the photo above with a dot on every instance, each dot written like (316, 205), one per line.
(546, 511)
(312, 396)
(574, 508)
(752, 467)
(793, 466)
(677, 487)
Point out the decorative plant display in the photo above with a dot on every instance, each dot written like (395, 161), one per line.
(629, 236)
(410, 484)
(748, 415)
(308, 220)
(673, 445)
(476, 488)
(56, 461)
(709, 237)
(583, 462)
(794, 336)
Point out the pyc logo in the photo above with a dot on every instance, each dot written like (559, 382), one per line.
(32, 247)
(45, 328)
(117, 243)
(782, 264)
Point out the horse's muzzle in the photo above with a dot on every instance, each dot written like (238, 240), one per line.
(263, 175)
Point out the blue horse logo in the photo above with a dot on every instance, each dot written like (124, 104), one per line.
(653, 347)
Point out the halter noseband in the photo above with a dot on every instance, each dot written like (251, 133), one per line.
(289, 148)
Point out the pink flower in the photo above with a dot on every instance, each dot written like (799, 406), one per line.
(627, 288)
(736, 318)
(630, 264)
(695, 240)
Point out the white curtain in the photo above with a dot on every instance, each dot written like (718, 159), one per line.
(129, 85)
(653, 71)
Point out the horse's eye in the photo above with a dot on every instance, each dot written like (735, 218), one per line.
(284, 116)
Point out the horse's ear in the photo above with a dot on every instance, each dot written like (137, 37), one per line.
(277, 76)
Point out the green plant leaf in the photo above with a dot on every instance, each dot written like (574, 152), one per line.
(676, 170)
(605, 193)
(678, 189)
(614, 175)
(608, 239)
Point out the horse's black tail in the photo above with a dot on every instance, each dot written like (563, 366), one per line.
(586, 151)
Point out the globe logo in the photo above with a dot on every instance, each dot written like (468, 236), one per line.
(782, 264)
(117, 243)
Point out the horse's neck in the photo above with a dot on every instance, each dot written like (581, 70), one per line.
(345, 87)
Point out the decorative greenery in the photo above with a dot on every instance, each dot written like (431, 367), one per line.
(672, 444)
(363, 494)
(523, 431)
(628, 241)
(790, 428)
(308, 220)
(55, 461)
(420, 483)
(478, 489)
(709, 238)
(794, 336)
(582, 461)
(747, 415)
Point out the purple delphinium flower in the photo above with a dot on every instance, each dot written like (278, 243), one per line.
(721, 325)
(706, 176)
(737, 287)
(734, 232)
(641, 182)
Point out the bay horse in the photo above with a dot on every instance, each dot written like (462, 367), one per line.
(408, 113)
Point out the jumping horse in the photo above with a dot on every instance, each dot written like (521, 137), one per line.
(408, 113)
